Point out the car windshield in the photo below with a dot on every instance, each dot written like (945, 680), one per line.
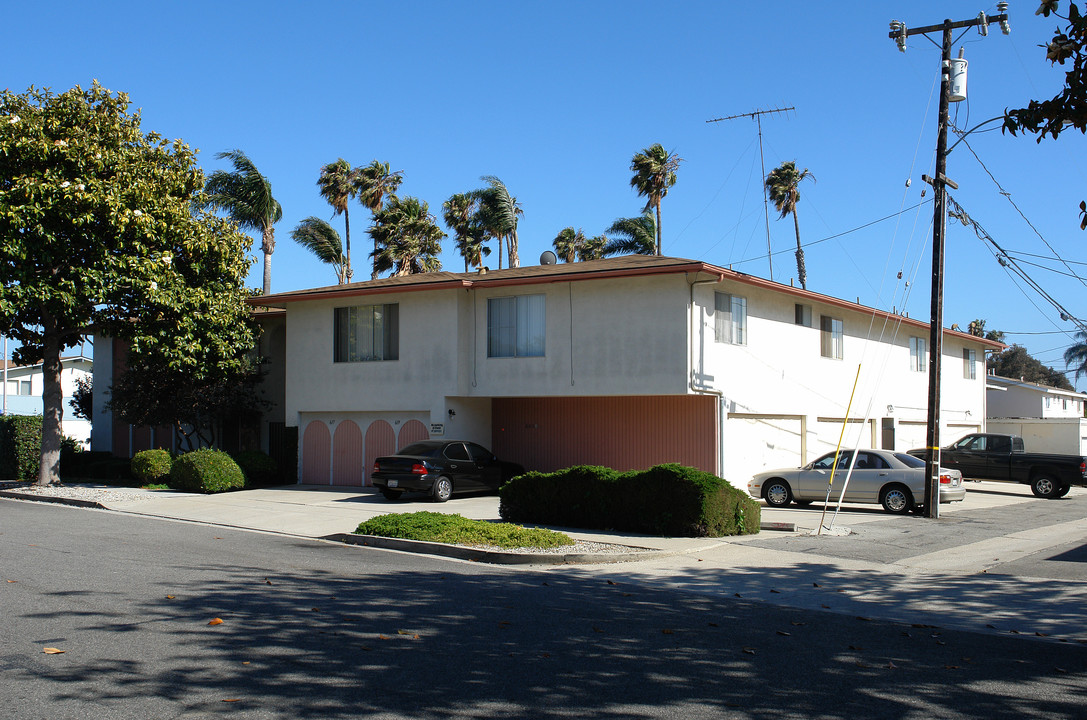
(422, 449)
(909, 460)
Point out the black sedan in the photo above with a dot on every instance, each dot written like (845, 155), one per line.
(441, 468)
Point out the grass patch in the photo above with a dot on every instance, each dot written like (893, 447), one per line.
(459, 530)
(155, 486)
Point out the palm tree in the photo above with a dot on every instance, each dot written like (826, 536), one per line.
(324, 242)
(338, 183)
(566, 243)
(592, 248)
(1075, 357)
(373, 183)
(246, 197)
(654, 172)
(781, 188)
(406, 236)
(498, 213)
(459, 213)
(636, 236)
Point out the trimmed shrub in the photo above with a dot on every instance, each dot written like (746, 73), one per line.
(456, 529)
(207, 471)
(152, 467)
(260, 468)
(20, 447)
(671, 500)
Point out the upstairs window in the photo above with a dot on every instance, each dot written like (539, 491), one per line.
(516, 326)
(730, 319)
(969, 364)
(917, 354)
(832, 332)
(802, 315)
(367, 333)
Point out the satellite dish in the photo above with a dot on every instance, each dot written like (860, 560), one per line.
(548, 258)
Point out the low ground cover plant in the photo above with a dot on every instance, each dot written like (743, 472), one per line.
(669, 500)
(206, 471)
(458, 530)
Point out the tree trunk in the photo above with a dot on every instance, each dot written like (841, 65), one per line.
(801, 270)
(501, 240)
(515, 260)
(268, 245)
(52, 404)
(658, 227)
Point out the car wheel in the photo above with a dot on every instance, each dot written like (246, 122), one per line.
(391, 494)
(777, 493)
(1064, 490)
(443, 489)
(1044, 486)
(896, 499)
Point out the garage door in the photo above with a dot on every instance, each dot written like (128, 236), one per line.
(625, 433)
(756, 443)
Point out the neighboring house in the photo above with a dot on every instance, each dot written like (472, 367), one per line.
(625, 362)
(23, 393)
(1047, 418)
(124, 440)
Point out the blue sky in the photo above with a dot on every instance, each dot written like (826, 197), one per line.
(554, 98)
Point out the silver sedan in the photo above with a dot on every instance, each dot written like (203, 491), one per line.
(894, 480)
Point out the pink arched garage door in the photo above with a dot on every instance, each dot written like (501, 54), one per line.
(347, 454)
(380, 440)
(413, 431)
(316, 452)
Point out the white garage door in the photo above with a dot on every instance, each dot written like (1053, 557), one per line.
(754, 444)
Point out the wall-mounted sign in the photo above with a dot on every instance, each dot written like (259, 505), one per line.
(437, 429)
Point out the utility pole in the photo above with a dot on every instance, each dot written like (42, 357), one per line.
(899, 33)
(757, 115)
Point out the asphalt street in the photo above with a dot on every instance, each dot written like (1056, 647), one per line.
(313, 629)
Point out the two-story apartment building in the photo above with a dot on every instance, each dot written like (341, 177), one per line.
(1047, 418)
(625, 362)
(25, 383)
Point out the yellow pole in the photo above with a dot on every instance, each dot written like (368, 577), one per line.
(838, 450)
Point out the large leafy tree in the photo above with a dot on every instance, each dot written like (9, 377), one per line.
(338, 183)
(654, 171)
(1068, 108)
(632, 236)
(374, 183)
(322, 240)
(1016, 362)
(246, 197)
(407, 237)
(459, 214)
(100, 232)
(498, 214)
(566, 243)
(592, 248)
(782, 187)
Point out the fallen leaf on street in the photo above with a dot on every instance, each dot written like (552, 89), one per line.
(749, 650)
(52, 651)
(782, 632)
(216, 621)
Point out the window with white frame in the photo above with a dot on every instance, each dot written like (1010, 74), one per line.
(917, 354)
(969, 364)
(832, 339)
(516, 326)
(18, 387)
(366, 333)
(802, 315)
(730, 318)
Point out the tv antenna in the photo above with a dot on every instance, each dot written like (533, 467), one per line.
(756, 115)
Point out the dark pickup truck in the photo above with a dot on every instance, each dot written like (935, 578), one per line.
(990, 456)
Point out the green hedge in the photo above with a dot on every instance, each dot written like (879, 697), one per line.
(260, 468)
(207, 471)
(20, 447)
(152, 467)
(671, 500)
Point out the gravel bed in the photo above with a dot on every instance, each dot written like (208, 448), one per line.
(103, 494)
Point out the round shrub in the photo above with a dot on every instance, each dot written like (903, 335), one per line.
(207, 471)
(152, 467)
(260, 468)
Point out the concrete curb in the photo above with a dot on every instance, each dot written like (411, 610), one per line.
(74, 502)
(497, 557)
